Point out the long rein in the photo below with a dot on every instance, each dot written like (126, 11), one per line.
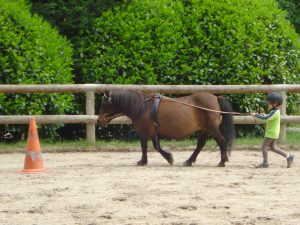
(207, 109)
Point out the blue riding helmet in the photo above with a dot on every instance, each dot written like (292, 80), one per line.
(274, 97)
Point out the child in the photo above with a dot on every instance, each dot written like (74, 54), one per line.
(274, 100)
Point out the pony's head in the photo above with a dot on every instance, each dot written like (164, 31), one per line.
(108, 110)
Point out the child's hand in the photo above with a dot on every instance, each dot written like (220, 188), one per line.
(253, 113)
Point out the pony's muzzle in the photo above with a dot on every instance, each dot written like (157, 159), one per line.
(102, 121)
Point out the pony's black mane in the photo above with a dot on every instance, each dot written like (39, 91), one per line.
(133, 103)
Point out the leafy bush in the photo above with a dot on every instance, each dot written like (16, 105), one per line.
(194, 42)
(293, 11)
(32, 52)
(73, 18)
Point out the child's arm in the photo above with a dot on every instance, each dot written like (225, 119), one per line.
(264, 117)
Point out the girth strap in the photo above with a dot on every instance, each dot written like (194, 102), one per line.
(156, 102)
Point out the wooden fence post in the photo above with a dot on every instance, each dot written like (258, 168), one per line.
(282, 135)
(90, 110)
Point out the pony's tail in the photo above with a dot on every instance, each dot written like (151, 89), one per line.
(227, 128)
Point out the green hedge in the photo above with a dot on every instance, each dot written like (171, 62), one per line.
(32, 52)
(292, 8)
(195, 42)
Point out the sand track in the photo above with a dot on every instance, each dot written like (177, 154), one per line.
(108, 188)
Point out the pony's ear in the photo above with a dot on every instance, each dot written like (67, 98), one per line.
(106, 94)
(106, 97)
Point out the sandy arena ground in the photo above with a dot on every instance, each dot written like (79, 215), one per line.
(92, 188)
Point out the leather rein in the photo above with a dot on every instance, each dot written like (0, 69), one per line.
(159, 97)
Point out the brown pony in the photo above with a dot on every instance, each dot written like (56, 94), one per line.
(177, 118)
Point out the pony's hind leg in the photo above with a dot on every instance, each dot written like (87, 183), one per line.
(200, 144)
(167, 155)
(216, 134)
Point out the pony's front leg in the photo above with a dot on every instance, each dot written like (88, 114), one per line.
(144, 159)
(167, 155)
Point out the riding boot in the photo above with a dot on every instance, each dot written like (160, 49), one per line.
(264, 164)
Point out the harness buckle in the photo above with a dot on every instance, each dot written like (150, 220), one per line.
(158, 95)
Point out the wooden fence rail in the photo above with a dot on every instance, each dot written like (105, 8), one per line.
(165, 89)
(90, 119)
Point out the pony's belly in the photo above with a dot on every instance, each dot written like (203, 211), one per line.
(177, 132)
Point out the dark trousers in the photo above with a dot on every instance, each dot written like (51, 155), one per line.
(269, 142)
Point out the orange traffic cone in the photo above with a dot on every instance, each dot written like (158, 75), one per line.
(33, 158)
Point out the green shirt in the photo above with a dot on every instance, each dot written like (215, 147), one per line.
(272, 123)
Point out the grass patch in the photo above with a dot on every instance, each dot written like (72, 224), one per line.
(296, 125)
(292, 138)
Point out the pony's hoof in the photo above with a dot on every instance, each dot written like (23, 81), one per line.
(221, 164)
(187, 163)
(141, 163)
(171, 159)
